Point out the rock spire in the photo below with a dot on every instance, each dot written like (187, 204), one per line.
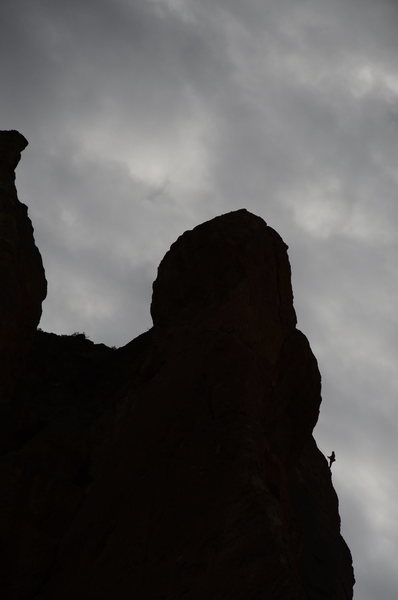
(23, 283)
(181, 466)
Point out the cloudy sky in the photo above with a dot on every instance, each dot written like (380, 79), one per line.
(147, 117)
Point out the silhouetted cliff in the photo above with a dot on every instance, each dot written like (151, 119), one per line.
(181, 466)
(23, 284)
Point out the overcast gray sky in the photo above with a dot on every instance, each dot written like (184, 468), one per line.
(147, 117)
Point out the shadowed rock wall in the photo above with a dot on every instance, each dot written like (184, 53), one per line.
(181, 466)
(23, 284)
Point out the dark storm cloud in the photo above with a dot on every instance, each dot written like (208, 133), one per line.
(79, 60)
(92, 231)
(145, 118)
(104, 87)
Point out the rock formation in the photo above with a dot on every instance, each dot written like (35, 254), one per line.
(23, 284)
(181, 466)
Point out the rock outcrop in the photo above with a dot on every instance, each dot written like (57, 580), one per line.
(23, 283)
(181, 466)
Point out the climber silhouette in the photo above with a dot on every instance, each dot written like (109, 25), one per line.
(331, 458)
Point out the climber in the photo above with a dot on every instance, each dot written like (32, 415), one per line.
(331, 458)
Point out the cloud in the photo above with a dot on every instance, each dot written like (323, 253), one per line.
(146, 118)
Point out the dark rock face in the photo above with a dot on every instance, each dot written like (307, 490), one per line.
(181, 466)
(23, 284)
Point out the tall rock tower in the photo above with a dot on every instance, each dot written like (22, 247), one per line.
(23, 284)
(181, 466)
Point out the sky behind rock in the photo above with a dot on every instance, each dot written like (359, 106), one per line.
(146, 118)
